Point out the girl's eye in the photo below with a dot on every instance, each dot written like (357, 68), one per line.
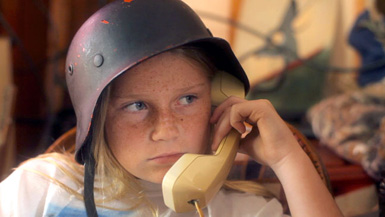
(185, 100)
(136, 106)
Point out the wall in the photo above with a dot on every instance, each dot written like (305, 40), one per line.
(319, 25)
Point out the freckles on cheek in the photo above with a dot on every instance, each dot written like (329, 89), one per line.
(197, 122)
(133, 133)
(128, 131)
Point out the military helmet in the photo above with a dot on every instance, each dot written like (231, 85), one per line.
(121, 35)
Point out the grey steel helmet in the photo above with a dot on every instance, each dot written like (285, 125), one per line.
(125, 33)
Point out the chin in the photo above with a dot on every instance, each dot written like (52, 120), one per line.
(156, 178)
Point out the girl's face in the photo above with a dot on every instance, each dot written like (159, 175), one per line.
(157, 112)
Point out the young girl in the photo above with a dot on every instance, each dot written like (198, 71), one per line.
(139, 75)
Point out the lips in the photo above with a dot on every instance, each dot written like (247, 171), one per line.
(166, 158)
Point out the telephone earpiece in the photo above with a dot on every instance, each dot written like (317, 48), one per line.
(225, 85)
(198, 177)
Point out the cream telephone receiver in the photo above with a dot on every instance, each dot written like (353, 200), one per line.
(198, 177)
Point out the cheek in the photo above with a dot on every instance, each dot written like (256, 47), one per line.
(126, 144)
(197, 130)
(121, 135)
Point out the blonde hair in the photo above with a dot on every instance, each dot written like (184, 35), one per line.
(117, 181)
(113, 182)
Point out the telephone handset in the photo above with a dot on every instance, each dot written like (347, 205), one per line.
(198, 177)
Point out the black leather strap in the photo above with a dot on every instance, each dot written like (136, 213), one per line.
(89, 175)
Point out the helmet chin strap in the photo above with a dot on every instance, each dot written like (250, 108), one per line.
(89, 177)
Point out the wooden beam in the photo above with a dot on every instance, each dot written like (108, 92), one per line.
(234, 15)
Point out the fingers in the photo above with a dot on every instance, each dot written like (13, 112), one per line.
(227, 116)
(234, 112)
(223, 106)
(224, 121)
(269, 141)
(221, 129)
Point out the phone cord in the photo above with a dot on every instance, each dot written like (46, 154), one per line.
(199, 210)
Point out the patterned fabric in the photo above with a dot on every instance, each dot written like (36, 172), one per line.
(353, 125)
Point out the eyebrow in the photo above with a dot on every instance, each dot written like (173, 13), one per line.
(191, 87)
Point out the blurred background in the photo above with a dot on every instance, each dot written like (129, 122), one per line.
(295, 52)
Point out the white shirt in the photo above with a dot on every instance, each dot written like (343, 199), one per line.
(26, 193)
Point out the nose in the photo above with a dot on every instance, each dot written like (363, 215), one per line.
(165, 126)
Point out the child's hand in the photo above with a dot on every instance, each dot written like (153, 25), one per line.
(269, 141)
(272, 143)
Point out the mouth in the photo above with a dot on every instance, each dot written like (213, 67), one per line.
(166, 158)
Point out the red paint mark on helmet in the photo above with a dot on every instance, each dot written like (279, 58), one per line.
(128, 1)
(78, 55)
(76, 64)
(89, 125)
(105, 22)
